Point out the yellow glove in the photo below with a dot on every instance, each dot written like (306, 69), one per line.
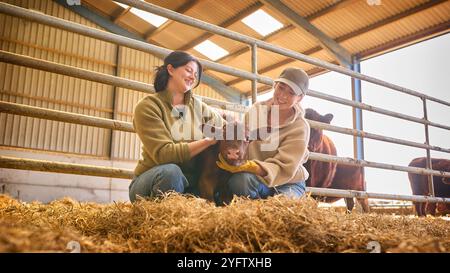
(249, 166)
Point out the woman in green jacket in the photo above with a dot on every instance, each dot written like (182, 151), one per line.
(168, 125)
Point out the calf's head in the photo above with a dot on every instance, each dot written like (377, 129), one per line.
(315, 137)
(233, 141)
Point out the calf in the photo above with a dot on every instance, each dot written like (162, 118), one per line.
(331, 175)
(212, 178)
(419, 186)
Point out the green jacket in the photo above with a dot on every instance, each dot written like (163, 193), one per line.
(164, 133)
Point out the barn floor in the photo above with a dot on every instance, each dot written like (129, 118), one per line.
(177, 223)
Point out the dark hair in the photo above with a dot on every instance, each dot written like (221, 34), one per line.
(176, 59)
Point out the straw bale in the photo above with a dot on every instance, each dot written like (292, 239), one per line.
(178, 223)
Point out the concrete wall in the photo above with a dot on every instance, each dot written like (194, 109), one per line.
(46, 187)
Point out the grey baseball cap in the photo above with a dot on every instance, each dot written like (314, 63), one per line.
(296, 78)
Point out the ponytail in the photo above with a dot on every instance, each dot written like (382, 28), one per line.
(161, 78)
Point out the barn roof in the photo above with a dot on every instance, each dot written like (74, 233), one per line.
(331, 30)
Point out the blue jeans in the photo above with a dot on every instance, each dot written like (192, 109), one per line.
(158, 180)
(248, 184)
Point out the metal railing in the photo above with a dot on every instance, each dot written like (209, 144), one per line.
(12, 108)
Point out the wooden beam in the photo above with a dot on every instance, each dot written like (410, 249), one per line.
(183, 9)
(225, 24)
(340, 53)
(274, 35)
(116, 18)
(353, 34)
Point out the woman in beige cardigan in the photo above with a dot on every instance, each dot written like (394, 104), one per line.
(275, 163)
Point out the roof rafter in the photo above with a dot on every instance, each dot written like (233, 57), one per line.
(117, 17)
(340, 53)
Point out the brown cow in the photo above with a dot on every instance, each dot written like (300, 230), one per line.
(419, 186)
(331, 175)
(212, 178)
(320, 143)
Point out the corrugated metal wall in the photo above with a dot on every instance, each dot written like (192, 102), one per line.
(49, 90)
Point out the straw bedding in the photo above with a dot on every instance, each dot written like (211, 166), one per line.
(177, 223)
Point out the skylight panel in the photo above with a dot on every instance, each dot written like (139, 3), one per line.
(122, 5)
(153, 19)
(262, 22)
(211, 50)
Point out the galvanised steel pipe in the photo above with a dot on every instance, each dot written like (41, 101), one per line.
(255, 71)
(267, 46)
(44, 113)
(148, 88)
(72, 71)
(50, 114)
(117, 39)
(355, 132)
(364, 163)
(98, 77)
(159, 51)
(363, 195)
(109, 79)
(429, 164)
(344, 73)
(374, 109)
(32, 111)
(60, 167)
(81, 169)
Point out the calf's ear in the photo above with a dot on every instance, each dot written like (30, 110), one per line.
(211, 131)
(327, 118)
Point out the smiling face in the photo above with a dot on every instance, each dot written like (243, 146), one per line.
(234, 146)
(284, 96)
(183, 78)
(233, 141)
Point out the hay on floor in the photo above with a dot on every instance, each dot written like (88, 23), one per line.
(176, 223)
